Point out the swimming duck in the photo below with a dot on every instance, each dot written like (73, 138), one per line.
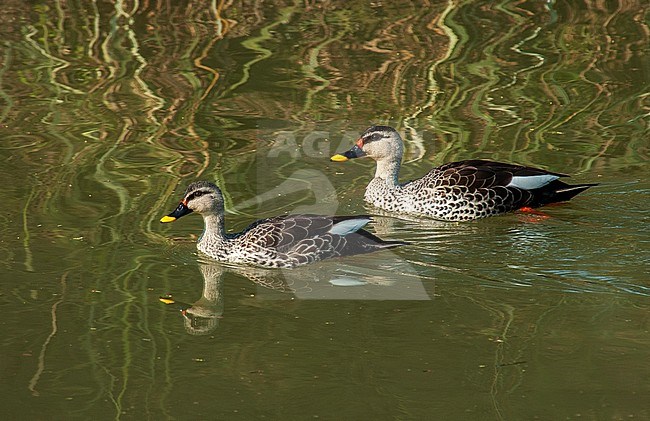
(279, 242)
(457, 191)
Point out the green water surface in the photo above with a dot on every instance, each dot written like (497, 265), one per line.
(108, 109)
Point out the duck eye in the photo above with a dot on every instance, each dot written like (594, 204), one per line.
(371, 137)
(195, 195)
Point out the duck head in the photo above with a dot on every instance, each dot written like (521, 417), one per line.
(377, 142)
(202, 197)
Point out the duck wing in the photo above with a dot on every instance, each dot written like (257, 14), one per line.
(477, 173)
(282, 232)
(486, 188)
(306, 238)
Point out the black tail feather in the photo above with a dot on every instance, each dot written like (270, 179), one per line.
(378, 242)
(389, 244)
(559, 191)
(562, 195)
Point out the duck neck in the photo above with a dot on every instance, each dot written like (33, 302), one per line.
(214, 232)
(388, 170)
(212, 283)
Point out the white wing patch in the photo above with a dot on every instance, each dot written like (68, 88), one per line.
(532, 182)
(348, 226)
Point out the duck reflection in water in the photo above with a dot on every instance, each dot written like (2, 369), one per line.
(386, 278)
(202, 316)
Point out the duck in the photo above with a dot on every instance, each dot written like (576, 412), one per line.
(284, 241)
(456, 191)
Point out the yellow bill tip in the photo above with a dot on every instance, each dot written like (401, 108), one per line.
(167, 219)
(338, 158)
(166, 300)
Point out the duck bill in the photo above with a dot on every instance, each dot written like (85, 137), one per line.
(353, 152)
(181, 210)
